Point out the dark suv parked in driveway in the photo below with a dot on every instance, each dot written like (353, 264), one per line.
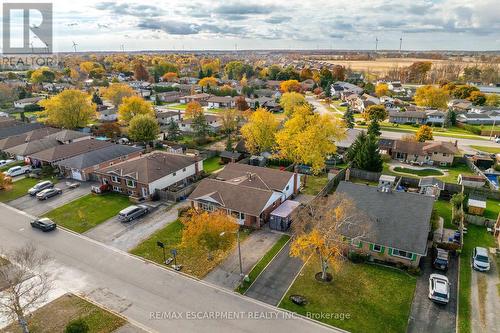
(132, 212)
(40, 186)
(440, 259)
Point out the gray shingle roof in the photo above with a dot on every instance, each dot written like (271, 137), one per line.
(399, 220)
(266, 178)
(18, 128)
(98, 156)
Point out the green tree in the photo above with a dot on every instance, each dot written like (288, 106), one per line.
(348, 118)
(375, 112)
(374, 128)
(493, 100)
(369, 158)
(143, 128)
(200, 127)
(173, 131)
(463, 92)
(96, 99)
(477, 98)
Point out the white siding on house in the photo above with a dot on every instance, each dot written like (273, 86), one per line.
(275, 196)
(171, 179)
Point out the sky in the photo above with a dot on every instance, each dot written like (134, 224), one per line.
(292, 24)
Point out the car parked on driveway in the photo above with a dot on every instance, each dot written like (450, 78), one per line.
(40, 186)
(44, 224)
(439, 289)
(132, 212)
(48, 193)
(440, 259)
(18, 170)
(6, 162)
(480, 259)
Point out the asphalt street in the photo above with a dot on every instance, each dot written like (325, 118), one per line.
(148, 295)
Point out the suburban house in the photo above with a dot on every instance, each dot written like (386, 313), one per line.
(21, 103)
(431, 186)
(9, 127)
(432, 152)
(478, 118)
(107, 114)
(200, 98)
(166, 117)
(63, 151)
(168, 96)
(397, 224)
(22, 151)
(249, 193)
(82, 167)
(396, 87)
(435, 117)
(474, 181)
(20, 139)
(217, 102)
(460, 105)
(308, 84)
(259, 101)
(214, 123)
(69, 136)
(407, 117)
(338, 88)
(142, 176)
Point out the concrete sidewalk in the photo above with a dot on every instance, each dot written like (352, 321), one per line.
(227, 274)
(275, 280)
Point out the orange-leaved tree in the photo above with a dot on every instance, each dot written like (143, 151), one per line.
(209, 231)
(193, 109)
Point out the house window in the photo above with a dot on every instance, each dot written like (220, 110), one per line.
(144, 192)
(435, 153)
(115, 179)
(444, 154)
(238, 215)
(287, 188)
(356, 243)
(130, 192)
(130, 183)
(376, 248)
(117, 189)
(174, 174)
(184, 170)
(401, 254)
(206, 206)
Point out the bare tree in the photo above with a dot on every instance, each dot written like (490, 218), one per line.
(26, 283)
(325, 226)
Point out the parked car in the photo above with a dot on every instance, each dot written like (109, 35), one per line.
(480, 259)
(40, 186)
(6, 162)
(439, 289)
(132, 212)
(43, 224)
(18, 170)
(440, 259)
(48, 193)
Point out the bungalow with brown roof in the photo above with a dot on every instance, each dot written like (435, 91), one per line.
(216, 102)
(407, 117)
(200, 98)
(142, 176)
(249, 193)
(431, 152)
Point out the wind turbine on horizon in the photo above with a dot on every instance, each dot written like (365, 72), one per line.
(74, 46)
(376, 44)
(400, 43)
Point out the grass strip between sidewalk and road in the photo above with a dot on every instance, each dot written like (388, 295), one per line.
(262, 264)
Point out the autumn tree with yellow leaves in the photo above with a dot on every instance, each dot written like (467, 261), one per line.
(132, 106)
(324, 227)
(5, 181)
(208, 82)
(259, 132)
(290, 85)
(193, 109)
(289, 101)
(209, 231)
(431, 96)
(308, 138)
(69, 109)
(116, 92)
(382, 89)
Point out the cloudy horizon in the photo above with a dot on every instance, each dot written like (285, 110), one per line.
(215, 25)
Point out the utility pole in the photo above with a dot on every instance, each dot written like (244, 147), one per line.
(400, 43)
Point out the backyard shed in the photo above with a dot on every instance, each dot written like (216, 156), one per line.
(476, 205)
(280, 218)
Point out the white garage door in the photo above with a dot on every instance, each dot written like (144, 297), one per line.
(75, 174)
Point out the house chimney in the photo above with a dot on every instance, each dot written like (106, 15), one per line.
(456, 143)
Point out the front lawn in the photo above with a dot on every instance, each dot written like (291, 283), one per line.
(419, 172)
(314, 184)
(375, 298)
(476, 236)
(20, 188)
(194, 262)
(490, 150)
(259, 267)
(86, 212)
(443, 209)
(54, 317)
(212, 164)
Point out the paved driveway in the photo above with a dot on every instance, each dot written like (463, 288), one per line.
(36, 207)
(274, 281)
(227, 274)
(485, 300)
(427, 316)
(126, 236)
